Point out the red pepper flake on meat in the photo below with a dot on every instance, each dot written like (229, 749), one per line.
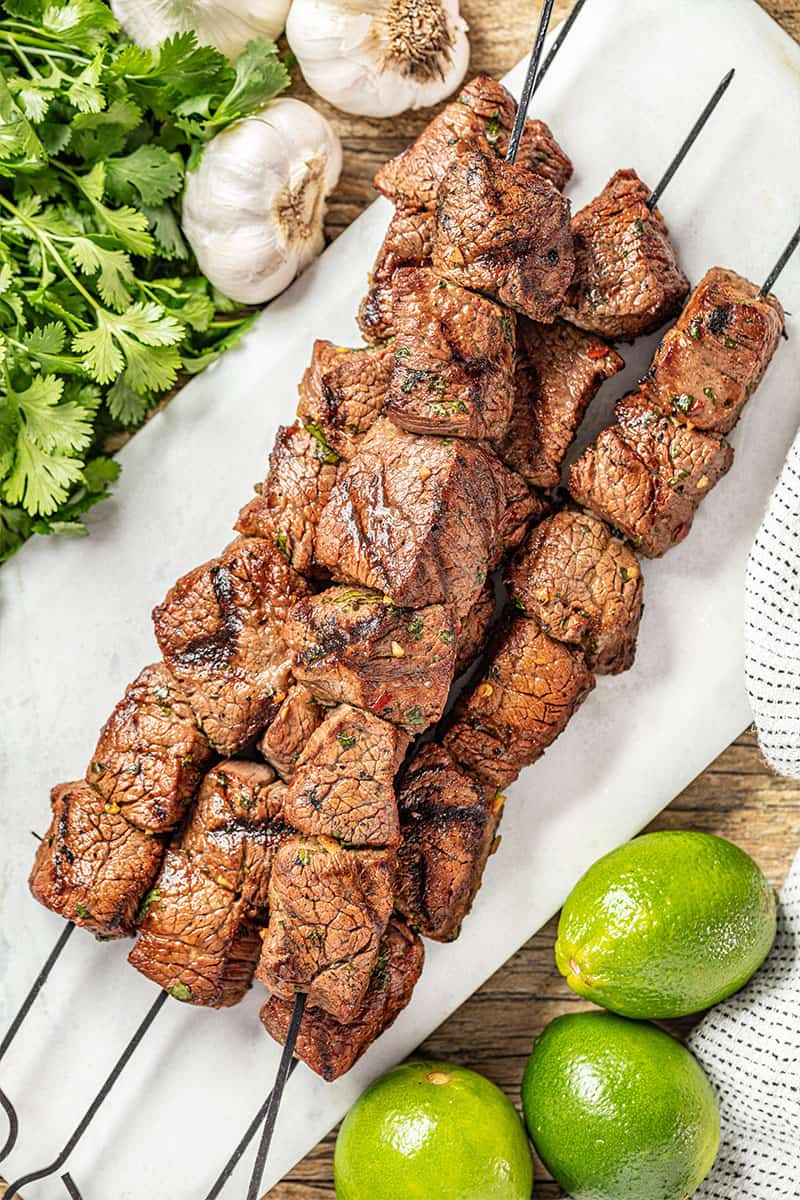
(598, 350)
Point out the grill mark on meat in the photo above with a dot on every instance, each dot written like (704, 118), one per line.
(218, 648)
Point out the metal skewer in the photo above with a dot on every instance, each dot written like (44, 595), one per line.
(252, 1129)
(287, 1057)
(771, 279)
(556, 46)
(695, 132)
(530, 82)
(14, 1028)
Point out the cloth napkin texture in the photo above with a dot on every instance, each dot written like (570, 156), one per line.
(750, 1048)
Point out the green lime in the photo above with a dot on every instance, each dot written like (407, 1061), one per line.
(618, 1110)
(429, 1129)
(666, 925)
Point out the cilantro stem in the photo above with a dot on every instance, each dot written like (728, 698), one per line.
(36, 46)
(44, 240)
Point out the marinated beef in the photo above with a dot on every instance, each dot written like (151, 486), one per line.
(559, 371)
(342, 392)
(92, 867)
(583, 587)
(359, 648)
(196, 940)
(236, 828)
(504, 232)
(302, 471)
(449, 822)
(474, 628)
(331, 1048)
(524, 506)
(687, 459)
(329, 908)
(611, 480)
(343, 784)
(285, 737)
(220, 630)
(712, 360)
(453, 359)
(417, 518)
(527, 695)
(627, 279)
(408, 243)
(480, 118)
(151, 754)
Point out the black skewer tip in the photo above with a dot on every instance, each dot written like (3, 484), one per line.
(694, 133)
(530, 81)
(791, 246)
(558, 43)
(254, 1191)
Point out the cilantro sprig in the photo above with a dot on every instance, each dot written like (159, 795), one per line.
(102, 307)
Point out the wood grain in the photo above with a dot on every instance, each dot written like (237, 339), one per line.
(736, 797)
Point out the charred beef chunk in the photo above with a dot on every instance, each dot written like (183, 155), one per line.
(582, 586)
(480, 118)
(449, 823)
(504, 232)
(419, 519)
(92, 867)
(285, 737)
(710, 363)
(220, 630)
(329, 908)
(343, 391)
(302, 471)
(453, 359)
(151, 754)
(611, 480)
(559, 371)
(343, 784)
(331, 1048)
(359, 648)
(627, 280)
(408, 243)
(690, 461)
(195, 938)
(474, 628)
(236, 828)
(527, 695)
(524, 506)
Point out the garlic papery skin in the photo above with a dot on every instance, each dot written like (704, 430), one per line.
(227, 24)
(377, 58)
(253, 209)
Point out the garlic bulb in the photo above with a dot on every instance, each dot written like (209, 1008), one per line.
(253, 209)
(379, 57)
(227, 24)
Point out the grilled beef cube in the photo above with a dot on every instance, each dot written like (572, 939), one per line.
(151, 754)
(302, 471)
(453, 359)
(329, 908)
(331, 1048)
(236, 827)
(559, 371)
(355, 647)
(611, 480)
(505, 232)
(92, 867)
(690, 461)
(449, 823)
(283, 740)
(527, 695)
(343, 784)
(343, 391)
(196, 940)
(408, 243)
(582, 586)
(710, 363)
(419, 519)
(474, 628)
(220, 630)
(627, 279)
(480, 118)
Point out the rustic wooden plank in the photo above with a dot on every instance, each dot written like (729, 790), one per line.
(737, 797)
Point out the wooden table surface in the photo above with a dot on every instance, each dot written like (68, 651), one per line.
(736, 797)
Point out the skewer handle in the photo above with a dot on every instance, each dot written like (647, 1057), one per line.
(530, 81)
(694, 134)
(557, 44)
(282, 1076)
(252, 1129)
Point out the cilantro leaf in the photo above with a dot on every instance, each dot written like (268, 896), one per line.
(150, 172)
(260, 76)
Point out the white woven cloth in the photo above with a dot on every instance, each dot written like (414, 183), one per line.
(772, 623)
(750, 1048)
